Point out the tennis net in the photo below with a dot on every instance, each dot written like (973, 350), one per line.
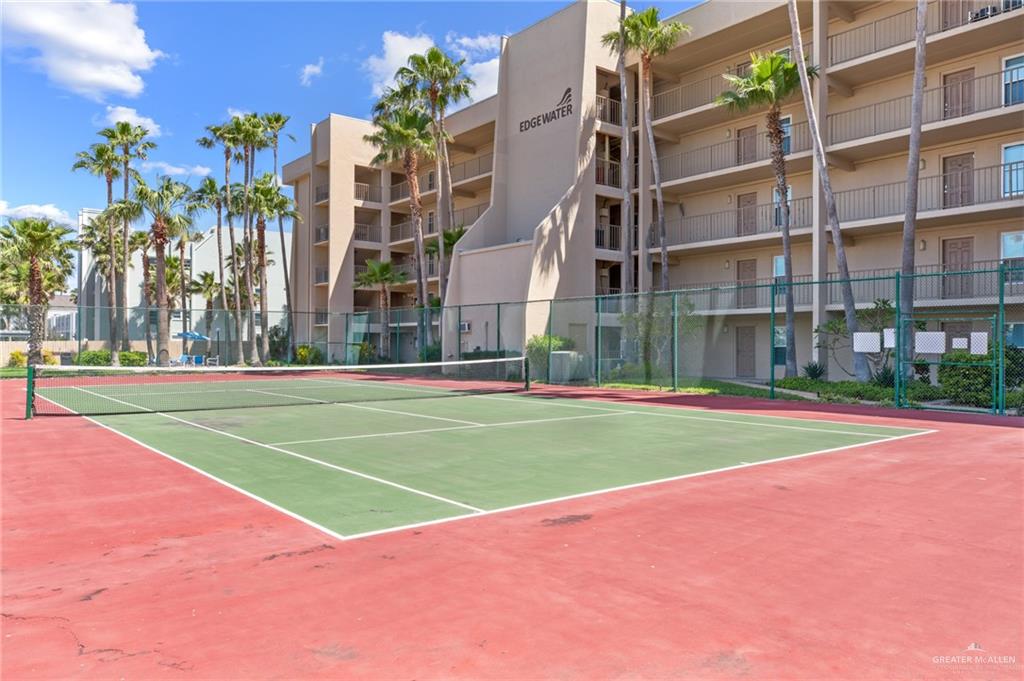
(88, 391)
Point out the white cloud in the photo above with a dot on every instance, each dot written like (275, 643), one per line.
(485, 74)
(311, 71)
(396, 50)
(117, 114)
(90, 48)
(34, 210)
(164, 168)
(232, 112)
(470, 47)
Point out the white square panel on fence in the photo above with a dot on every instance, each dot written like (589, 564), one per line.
(867, 341)
(889, 338)
(959, 343)
(930, 342)
(979, 342)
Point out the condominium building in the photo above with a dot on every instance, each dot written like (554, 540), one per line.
(536, 173)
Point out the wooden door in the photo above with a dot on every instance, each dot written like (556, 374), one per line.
(746, 214)
(746, 145)
(746, 277)
(954, 13)
(746, 351)
(958, 180)
(958, 94)
(957, 256)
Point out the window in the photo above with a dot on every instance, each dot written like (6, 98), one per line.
(1013, 169)
(779, 346)
(1013, 81)
(777, 206)
(786, 52)
(779, 272)
(1011, 252)
(430, 222)
(430, 181)
(787, 134)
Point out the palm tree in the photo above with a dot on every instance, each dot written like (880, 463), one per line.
(860, 363)
(208, 287)
(208, 196)
(450, 238)
(274, 123)
(772, 79)
(439, 82)
(98, 237)
(103, 161)
(139, 242)
(131, 143)
(616, 42)
(249, 131)
(167, 206)
(186, 238)
(268, 202)
(38, 248)
(645, 33)
(383, 275)
(404, 136)
(226, 136)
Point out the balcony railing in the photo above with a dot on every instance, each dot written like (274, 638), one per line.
(608, 110)
(409, 268)
(404, 230)
(946, 102)
(367, 192)
(608, 173)
(899, 28)
(951, 190)
(746, 294)
(320, 318)
(321, 275)
(467, 216)
(731, 154)
(931, 283)
(479, 165)
(321, 234)
(322, 193)
(608, 236)
(366, 233)
(463, 217)
(739, 222)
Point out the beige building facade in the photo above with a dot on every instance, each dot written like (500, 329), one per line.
(536, 173)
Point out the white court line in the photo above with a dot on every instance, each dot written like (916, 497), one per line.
(363, 406)
(444, 430)
(311, 459)
(564, 403)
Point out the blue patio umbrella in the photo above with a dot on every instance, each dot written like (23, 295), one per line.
(192, 336)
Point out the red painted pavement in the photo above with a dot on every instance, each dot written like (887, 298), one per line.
(870, 563)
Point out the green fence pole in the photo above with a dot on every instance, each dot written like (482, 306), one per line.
(1001, 344)
(497, 331)
(551, 317)
(597, 349)
(526, 372)
(675, 342)
(898, 331)
(348, 339)
(771, 344)
(458, 335)
(30, 390)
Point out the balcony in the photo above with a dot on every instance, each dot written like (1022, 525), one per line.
(367, 192)
(403, 231)
(409, 269)
(320, 317)
(739, 223)
(322, 193)
(747, 295)
(369, 233)
(984, 105)
(462, 217)
(465, 217)
(887, 34)
(321, 277)
(737, 160)
(941, 199)
(608, 236)
(608, 110)
(608, 173)
(321, 235)
(933, 284)
(461, 172)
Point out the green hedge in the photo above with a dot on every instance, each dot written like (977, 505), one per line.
(309, 354)
(101, 358)
(917, 391)
(537, 351)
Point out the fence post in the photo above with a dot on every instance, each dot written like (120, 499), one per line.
(898, 378)
(30, 390)
(551, 318)
(348, 341)
(675, 342)
(497, 330)
(597, 349)
(771, 343)
(1001, 331)
(458, 335)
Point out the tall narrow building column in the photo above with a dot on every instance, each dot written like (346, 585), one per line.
(644, 274)
(820, 234)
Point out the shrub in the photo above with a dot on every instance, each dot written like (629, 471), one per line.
(814, 370)
(884, 377)
(367, 353)
(967, 385)
(101, 358)
(537, 351)
(431, 353)
(488, 354)
(308, 354)
(17, 358)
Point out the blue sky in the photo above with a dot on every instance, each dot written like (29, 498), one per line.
(69, 69)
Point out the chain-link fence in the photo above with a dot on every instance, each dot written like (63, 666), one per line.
(960, 345)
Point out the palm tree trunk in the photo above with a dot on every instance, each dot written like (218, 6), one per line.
(656, 170)
(115, 357)
(906, 302)
(860, 363)
(220, 260)
(284, 264)
(416, 206)
(385, 322)
(247, 252)
(125, 254)
(447, 208)
(775, 138)
(162, 321)
(261, 254)
(146, 299)
(626, 269)
(36, 312)
(183, 292)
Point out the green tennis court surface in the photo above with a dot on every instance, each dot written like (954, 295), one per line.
(362, 456)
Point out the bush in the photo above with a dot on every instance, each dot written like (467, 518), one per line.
(814, 370)
(367, 353)
(488, 354)
(277, 338)
(17, 358)
(431, 353)
(537, 351)
(885, 377)
(967, 385)
(101, 358)
(308, 354)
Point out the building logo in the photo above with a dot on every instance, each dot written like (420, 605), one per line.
(561, 110)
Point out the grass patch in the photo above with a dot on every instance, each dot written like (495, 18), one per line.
(707, 386)
(13, 372)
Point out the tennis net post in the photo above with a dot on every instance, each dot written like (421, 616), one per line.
(30, 381)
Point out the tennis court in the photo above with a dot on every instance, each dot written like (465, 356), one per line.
(356, 451)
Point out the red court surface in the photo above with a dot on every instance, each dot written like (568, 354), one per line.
(883, 561)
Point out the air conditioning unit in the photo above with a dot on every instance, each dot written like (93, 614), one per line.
(465, 327)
